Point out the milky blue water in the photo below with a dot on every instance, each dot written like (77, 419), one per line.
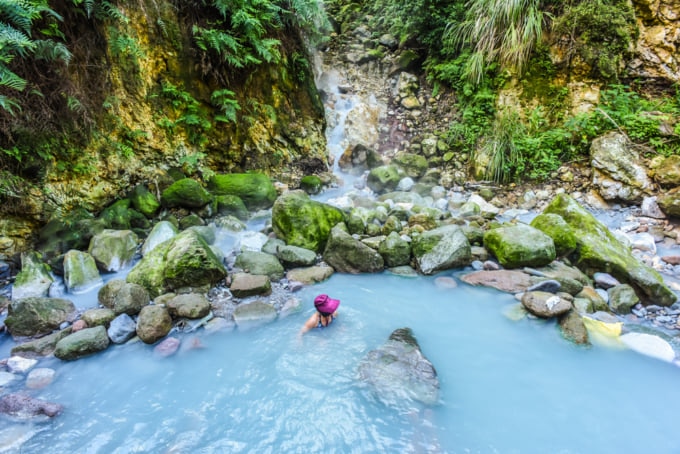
(506, 386)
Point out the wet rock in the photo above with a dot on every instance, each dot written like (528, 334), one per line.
(244, 285)
(573, 328)
(670, 202)
(296, 256)
(510, 281)
(113, 250)
(144, 201)
(310, 275)
(394, 250)
(650, 208)
(160, 232)
(122, 329)
(7, 378)
(40, 377)
(78, 325)
(167, 347)
(34, 279)
(398, 371)
(548, 285)
(38, 316)
(154, 323)
(252, 241)
(556, 228)
(349, 255)
(441, 249)
(545, 305)
(260, 263)
(255, 189)
(43, 346)
(520, 245)
(186, 193)
(24, 406)
(188, 305)
(622, 298)
(384, 178)
(218, 324)
(650, 345)
(254, 313)
(123, 297)
(445, 282)
(98, 316)
(82, 343)
(80, 272)
(20, 365)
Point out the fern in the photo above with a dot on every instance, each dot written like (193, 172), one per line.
(49, 50)
(9, 104)
(224, 100)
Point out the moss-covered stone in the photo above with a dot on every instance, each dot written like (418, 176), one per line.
(82, 343)
(119, 216)
(414, 165)
(36, 316)
(301, 221)
(144, 201)
(599, 251)
(34, 279)
(520, 245)
(187, 193)
(256, 190)
(384, 178)
(311, 184)
(556, 228)
(232, 205)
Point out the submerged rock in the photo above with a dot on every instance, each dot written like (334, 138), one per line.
(399, 371)
(24, 406)
(82, 343)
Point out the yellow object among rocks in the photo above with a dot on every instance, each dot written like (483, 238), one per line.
(603, 332)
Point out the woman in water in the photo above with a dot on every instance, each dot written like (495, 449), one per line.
(326, 311)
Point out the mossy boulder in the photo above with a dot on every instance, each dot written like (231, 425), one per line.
(38, 316)
(414, 165)
(185, 193)
(301, 221)
(311, 184)
(184, 260)
(599, 251)
(232, 205)
(72, 231)
(556, 228)
(34, 279)
(144, 201)
(670, 202)
(384, 178)
(349, 255)
(119, 216)
(255, 189)
(260, 263)
(113, 250)
(441, 249)
(162, 231)
(82, 343)
(123, 297)
(516, 246)
(395, 251)
(80, 272)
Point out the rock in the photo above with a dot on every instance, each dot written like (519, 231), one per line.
(311, 184)
(154, 323)
(357, 159)
(122, 329)
(670, 202)
(113, 250)
(413, 165)
(38, 316)
(254, 313)
(544, 304)
(667, 171)
(616, 170)
(7, 378)
(78, 325)
(605, 280)
(520, 245)
(303, 222)
(441, 249)
(119, 216)
(20, 365)
(255, 189)
(123, 297)
(599, 250)
(80, 272)
(650, 345)
(40, 377)
(445, 282)
(549, 286)
(398, 371)
(486, 210)
(34, 279)
(188, 305)
(218, 324)
(251, 241)
(573, 328)
(98, 316)
(22, 405)
(310, 275)
(207, 232)
(43, 346)
(244, 285)
(185, 193)
(556, 228)
(83, 343)
(650, 208)
(384, 178)
(296, 256)
(622, 298)
(167, 347)
(161, 232)
(395, 251)
(260, 263)
(231, 205)
(349, 255)
(185, 260)
(515, 312)
(510, 281)
(144, 201)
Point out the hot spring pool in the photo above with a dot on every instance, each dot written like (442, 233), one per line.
(506, 386)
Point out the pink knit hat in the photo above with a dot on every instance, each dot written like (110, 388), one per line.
(325, 304)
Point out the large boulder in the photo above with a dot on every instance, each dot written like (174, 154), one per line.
(599, 251)
(82, 343)
(188, 305)
(80, 272)
(123, 297)
(666, 171)
(384, 178)
(161, 232)
(144, 201)
(349, 255)
(260, 263)
(670, 202)
(113, 250)
(244, 285)
(398, 371)
(154, 323)
(186, 193)
(185, 260)
(520, 245)
(38, 316)
(256, 190)
(301, 221)
(556, 228)
(34, 279)
(441, 249)
(254, 314)
(616, 169)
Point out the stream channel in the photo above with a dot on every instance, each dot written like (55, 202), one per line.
(506, 386)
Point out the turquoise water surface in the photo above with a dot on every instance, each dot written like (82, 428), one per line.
(506, 386)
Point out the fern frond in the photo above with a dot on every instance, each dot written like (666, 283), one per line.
(11, 80)
(14, 41)
(49, 50)
(9, 105)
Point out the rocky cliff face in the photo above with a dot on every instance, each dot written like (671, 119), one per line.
(155, 109)
(657, 55)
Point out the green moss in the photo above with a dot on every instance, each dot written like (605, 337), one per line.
(557, 229)
(185, 193)
(255, 189)
(311, 184)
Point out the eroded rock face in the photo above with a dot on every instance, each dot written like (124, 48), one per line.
(399, 371)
